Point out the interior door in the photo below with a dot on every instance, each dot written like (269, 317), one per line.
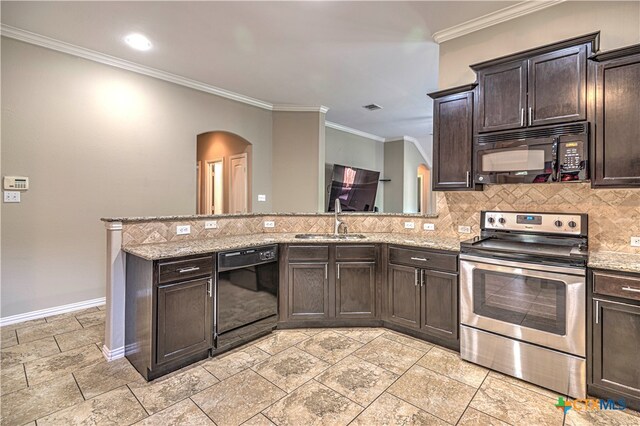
(238, 191)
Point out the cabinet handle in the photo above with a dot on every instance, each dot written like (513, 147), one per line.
(416, 272)
(422, 259)
(521, 117)
(190, 269)
(530, 115)
(597, 312)
(326, 271)
(338, 266)
(634, 290)
(210, 287)
(421, 277)
(468, 179)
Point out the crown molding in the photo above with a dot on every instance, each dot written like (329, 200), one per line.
(300, 108)
(92, 55)
(353, 131)
(494, 18)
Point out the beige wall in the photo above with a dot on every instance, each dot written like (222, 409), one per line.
(352, 150)
(98, 141)
(221, 146)
(298, 162)
(619, 23)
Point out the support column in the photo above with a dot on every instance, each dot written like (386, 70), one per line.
(113, 347)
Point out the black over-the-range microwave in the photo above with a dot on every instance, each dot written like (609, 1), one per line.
(551, 154)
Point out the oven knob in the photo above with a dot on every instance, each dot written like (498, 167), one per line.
(491, 220)
(558, 223)
(572, 224)
(502, 220)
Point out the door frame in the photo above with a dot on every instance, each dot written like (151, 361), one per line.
(209, 183)
(246, 179)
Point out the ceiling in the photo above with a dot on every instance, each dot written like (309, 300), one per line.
(342, 55)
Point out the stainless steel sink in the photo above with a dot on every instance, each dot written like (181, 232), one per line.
(338, 237)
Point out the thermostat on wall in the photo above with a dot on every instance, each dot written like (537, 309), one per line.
(16, 183)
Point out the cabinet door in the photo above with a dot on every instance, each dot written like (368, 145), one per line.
(403, 296)
(184, 319)
(453, 142)
(617, 150)
(308, 291)
(502, 97)
(355, 289)
(616, 345)
(557, 83)
(440, 304)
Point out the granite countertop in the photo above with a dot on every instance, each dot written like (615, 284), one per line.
(249, 215)
(191, 247)
(626, 262)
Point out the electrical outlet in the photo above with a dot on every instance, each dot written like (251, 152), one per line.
(211, 224)
(269, 224)
(409, 225)
(464, 229)
(429, 227)
(262, 197)
(183, 229)
(635, 241)
(11, 196)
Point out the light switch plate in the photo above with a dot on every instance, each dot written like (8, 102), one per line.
(11, 196)
(269, 224)
(429, 227)
(409, 225)
(183, 229)
(211, 224)
(262, 197)
(464, 229)
(635, 241)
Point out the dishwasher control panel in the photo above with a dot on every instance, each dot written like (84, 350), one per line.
(235, 259)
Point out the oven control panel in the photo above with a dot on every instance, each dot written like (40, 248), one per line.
(554, 223)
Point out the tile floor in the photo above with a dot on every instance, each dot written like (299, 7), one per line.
(53, 373)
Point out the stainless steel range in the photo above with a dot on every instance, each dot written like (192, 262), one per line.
(523, 298)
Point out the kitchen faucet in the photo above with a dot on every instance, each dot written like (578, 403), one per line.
(337, 222)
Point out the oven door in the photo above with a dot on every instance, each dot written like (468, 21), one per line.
(544, 305)
(516, 161)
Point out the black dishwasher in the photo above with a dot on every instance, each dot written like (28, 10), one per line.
(246, 289)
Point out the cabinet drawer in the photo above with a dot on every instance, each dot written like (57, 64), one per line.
(616, 285)
(423, 259)
(364, 252)
(305, 253)
(184, 269)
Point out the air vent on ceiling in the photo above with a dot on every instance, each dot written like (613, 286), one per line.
(372, 107)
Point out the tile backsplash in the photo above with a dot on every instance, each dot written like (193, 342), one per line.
(614, 216)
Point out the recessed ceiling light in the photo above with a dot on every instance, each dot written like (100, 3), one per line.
(138, 41)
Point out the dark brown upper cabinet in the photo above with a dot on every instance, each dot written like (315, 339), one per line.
(541, 86)
(616, 145)
(453, 139)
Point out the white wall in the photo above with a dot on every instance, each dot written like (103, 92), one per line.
(618, 21)
(352, 150)
(98, 141)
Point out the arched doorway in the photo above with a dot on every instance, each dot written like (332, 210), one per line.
(223, 163)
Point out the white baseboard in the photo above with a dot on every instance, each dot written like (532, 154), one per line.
(112, 354)
(42, 313)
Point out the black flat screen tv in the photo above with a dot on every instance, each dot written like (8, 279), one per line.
(355, 188)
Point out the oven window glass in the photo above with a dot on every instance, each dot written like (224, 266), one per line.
(531, 302)
(509, 160)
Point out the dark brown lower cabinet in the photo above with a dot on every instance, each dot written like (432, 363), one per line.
(423, 299)
(308, 285)
(355, 289)
(168, 313)
(440, 304)
(403, 296)
(184, 319)
(615, 338)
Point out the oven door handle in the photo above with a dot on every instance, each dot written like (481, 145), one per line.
(530, 266)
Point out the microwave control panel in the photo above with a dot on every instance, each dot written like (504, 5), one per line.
(571, 156)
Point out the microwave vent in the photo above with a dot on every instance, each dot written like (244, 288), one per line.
(568, 129)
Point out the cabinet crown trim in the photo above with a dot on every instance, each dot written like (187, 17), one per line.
(452, 91)
(616, 53)
(591, 38)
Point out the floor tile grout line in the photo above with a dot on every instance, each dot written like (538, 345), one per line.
(26, 378)
(474, 395)
(199, 408)
(79, 388)
(136, 397)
